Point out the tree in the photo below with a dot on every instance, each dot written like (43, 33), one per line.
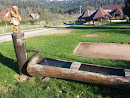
(127, 8)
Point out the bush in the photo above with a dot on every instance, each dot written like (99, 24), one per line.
(126, 17)
(4, 22)
(33, 21)
(24, 22)
(117, 17)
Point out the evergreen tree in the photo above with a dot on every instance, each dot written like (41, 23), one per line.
(127, 8)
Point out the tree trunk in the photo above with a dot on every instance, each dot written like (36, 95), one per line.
(20, 49)
(35, 69)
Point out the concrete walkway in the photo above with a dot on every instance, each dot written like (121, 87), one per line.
(29, 33)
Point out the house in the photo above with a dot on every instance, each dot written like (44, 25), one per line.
(110, 8)
(100, 14)
(5, 14)
(117, 13)
(96, 15)
(34, 16)
(86, 15)
(114, 10)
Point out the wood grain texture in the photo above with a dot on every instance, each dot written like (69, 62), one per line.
(75, 65)
(20, 49)
(35, 69)
(127, 73)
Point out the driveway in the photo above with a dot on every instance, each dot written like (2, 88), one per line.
(29, 33)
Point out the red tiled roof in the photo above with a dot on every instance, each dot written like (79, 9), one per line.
(5, 14)
(112, 7)
(35, 16)
(100, 14)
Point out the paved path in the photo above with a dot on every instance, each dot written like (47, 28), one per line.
(7, 36)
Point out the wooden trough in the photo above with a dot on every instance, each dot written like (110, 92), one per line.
(46, 67)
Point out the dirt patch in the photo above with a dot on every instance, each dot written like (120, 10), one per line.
(103, 50)
(96, 35)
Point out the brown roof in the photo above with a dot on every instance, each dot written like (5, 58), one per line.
(80, 17)
(35, 16)
(88, 13)
(112, 7)
(100, 14)
(5, 14)
(117, 11)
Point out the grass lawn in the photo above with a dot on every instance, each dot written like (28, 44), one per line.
(4, 29)
(62, 47)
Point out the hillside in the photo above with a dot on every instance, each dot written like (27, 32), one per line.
(41, 7)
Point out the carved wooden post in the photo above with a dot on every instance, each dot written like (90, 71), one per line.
(20, 49)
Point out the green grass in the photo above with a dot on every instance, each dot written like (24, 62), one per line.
(62, 47)
(4, 29)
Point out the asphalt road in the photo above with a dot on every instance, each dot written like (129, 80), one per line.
(29, 33)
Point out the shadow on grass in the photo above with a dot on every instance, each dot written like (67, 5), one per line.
(10, 63)
(121, 23)
(103, 27)
(120, 30)
(97, 27)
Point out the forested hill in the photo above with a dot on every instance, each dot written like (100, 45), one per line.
(73, 5)
(27, 7)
